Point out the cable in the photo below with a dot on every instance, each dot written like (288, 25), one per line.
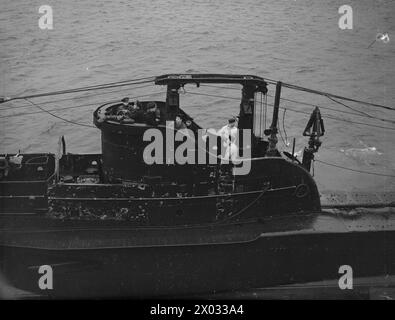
(356, 122)
(320, 106)
(355, 170)
(63, 119)
(322, 93)
(232, 98)
(123, 81)
(320, 161)
(238, 213)
(344, 120)
(357, 113)
(265, 110)
(88, 88)
(281, 136)
(75, 98)
(299, 111)
(364, 113)
(253, 123)
(57, 109)
(260, 116)
(285, 132)
(348, 107)
(285, 141)
(78, 106)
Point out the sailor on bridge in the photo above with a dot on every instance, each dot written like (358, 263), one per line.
(229, 135)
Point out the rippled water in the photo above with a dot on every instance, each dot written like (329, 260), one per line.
(296, 41)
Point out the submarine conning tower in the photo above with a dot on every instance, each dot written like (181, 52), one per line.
(122, 141)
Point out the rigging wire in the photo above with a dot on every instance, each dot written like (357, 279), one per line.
(261, 115)
(303, 112)
(356, 113)
(285, 141)
(355, 170)
(343, 120)
(326, 94)
(332, 118)
(285, 132)
(77, 106)
(63, 119)
(144, 80)
(320, 161)
(316, 105)
(364, 113)
(225, 97)
(150, 79)
(348, 107)
(58, 109)
(281, 136)
(81, 89)
(253, 123)
(75, 98)
(265, 110)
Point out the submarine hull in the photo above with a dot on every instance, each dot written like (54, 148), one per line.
(156, 262)
(264, 238)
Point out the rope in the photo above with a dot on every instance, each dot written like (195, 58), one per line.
(264, 190)
(78, 106)
(299, 111)
(285, 132)
(326, 94)
(363, 113)
(355, 170)
(57, 109)
(265, 110)
(63, 119)
(260, 117)
(253, 123)
(279, 131)
(357, 113)
(144, 80)
(81, 89)
(151, 79)
(75, 98)
(344, 120)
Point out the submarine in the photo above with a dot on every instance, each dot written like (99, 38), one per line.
(212, 213)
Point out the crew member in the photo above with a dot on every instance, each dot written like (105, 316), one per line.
(125, 102)
(229, 135)
(179, 123)
(136, 112)
(152, 114)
